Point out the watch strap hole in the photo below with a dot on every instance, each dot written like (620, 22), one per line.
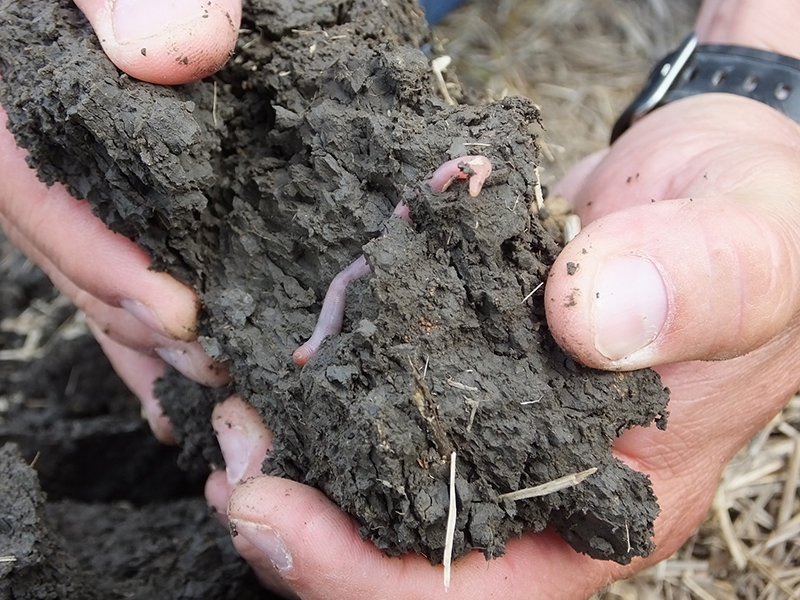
(690, 74)
(783, 91)
(720, 77)
(750, 83)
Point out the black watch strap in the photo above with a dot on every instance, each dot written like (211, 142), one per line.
(770, 78)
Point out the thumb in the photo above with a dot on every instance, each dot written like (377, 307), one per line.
(165, 42)
(679, 280)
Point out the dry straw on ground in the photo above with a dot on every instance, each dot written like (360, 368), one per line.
(582, 61)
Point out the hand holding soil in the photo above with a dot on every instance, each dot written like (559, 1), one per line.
(141, 317)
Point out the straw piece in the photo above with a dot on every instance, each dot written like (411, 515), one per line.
(451, 524)
(726, 528)
(787, 531)
(790, 489)
(550, 487)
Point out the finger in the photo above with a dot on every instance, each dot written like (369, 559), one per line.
(242, 437)
(139, 373)
(125, 329)
(138, 325)
(295, 535)
(680, 280)
(166, 42)
(244, 442)
(188, 358)
(49, 222)
(570, 185)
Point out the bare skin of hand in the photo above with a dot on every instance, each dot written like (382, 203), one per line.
(166, 42)
(693, 244)
(143, 319)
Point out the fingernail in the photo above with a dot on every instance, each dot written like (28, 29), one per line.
(237, 447)
(179, 360)
(630, 306)
(267, 541)
(159, 423)
(144, 314)
(136, 20)
(195, 364)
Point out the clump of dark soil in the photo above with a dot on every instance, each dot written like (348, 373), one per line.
(70, 549)
(258, 185)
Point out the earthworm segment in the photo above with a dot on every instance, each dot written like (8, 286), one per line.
(475, 168)
(332, 313)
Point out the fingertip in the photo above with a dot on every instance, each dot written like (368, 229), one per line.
(609, 297)
(139, 373)
(673, 281)
(176, 306)
(299, 516)
(242, 437)
(268, 542)
(191, 360)
(266, 550)
(164, 305)
(159, 422)
(166, 43)
(259, 539)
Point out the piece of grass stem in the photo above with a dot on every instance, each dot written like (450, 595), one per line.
(548, 488)
(451, 523)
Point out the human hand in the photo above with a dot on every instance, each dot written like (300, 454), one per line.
(140, 317)
(302, 545)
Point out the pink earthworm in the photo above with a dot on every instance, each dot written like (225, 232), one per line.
(476, 168)
(332, 313)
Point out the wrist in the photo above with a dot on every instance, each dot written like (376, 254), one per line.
(764, 24)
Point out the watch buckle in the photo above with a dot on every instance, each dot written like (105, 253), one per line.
(661, 80)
